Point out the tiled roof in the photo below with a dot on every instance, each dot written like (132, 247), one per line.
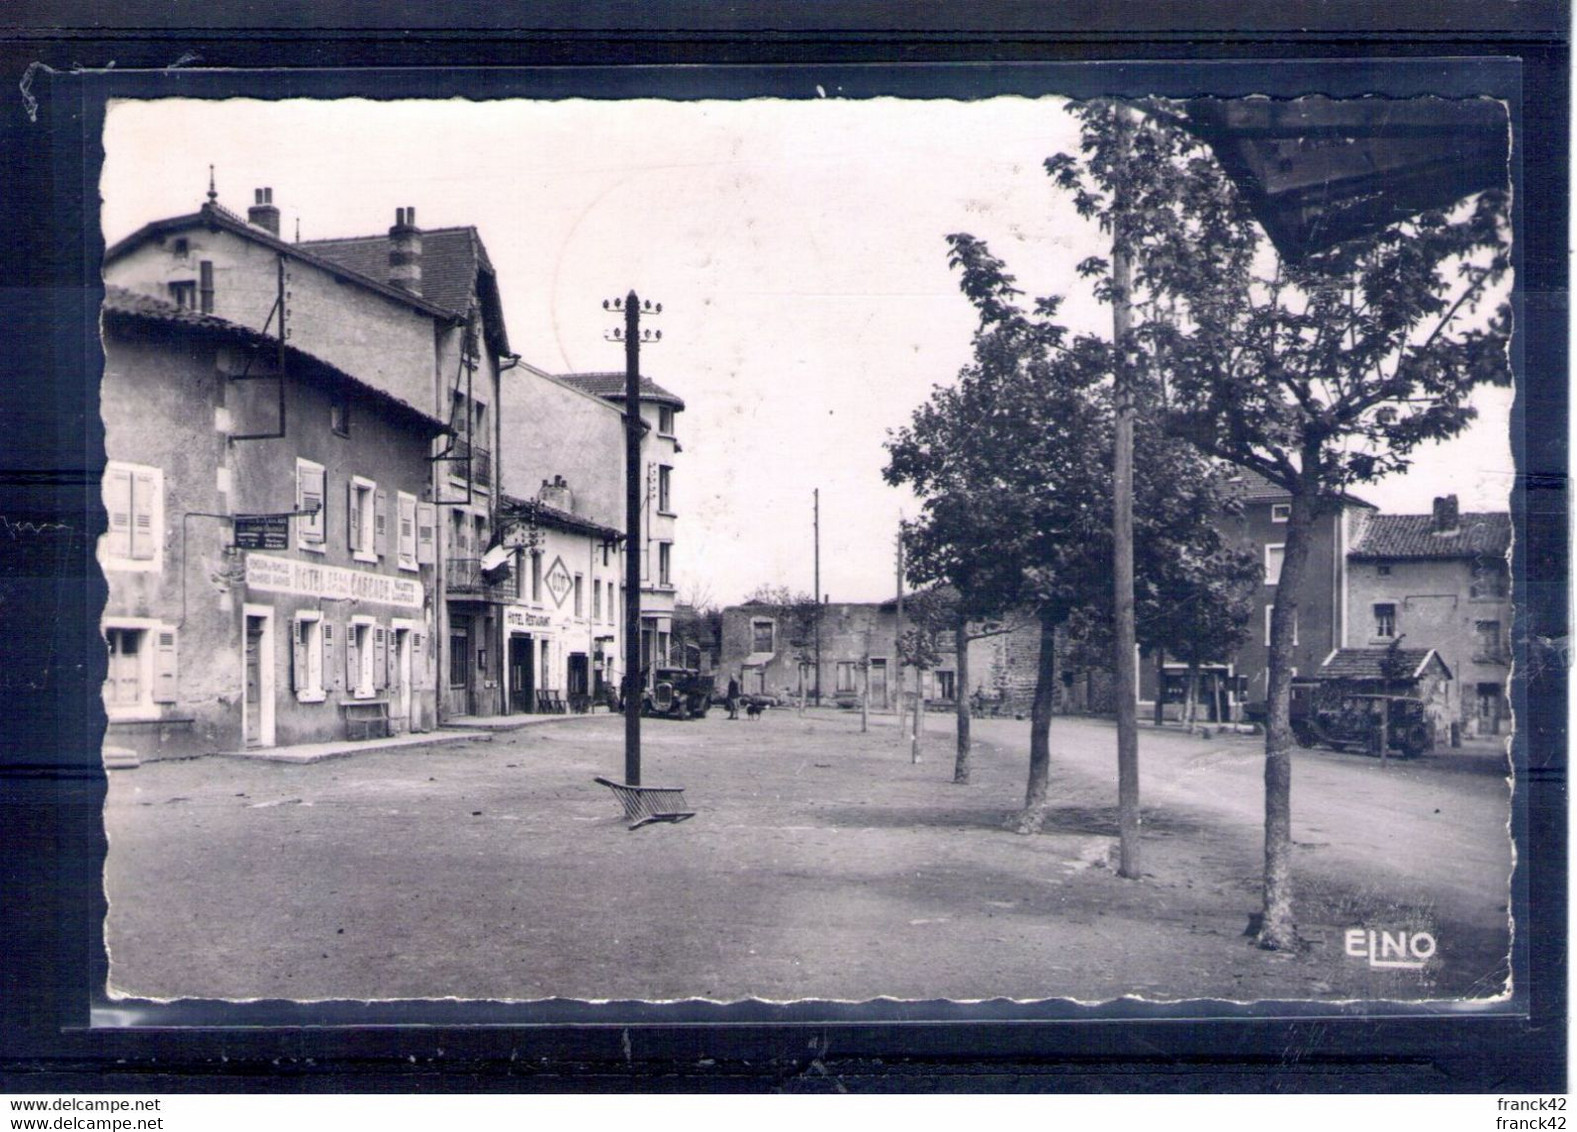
(120, 302)
(610, 386)
(558, 518)
(1371, 664)
(451, 258)
(1248, 486)
(1478, 534)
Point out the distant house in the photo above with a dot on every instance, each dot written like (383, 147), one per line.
(1440, 581)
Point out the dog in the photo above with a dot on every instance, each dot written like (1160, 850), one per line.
(753, 709)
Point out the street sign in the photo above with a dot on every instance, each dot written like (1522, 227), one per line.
(262, 532)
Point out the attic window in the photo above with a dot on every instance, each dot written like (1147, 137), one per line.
(339, 416)
(181, 247)
(1383, 569)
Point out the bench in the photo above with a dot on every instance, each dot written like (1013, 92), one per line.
(643, 804)
(366, 719)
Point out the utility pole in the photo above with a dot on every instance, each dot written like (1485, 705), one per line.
(898, 635)
(816, 534)
(1126, 662)
(634, 430)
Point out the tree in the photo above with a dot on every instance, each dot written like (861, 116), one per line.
(1319, 375)
(795, 614)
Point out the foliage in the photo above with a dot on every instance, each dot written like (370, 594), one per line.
(796, 614)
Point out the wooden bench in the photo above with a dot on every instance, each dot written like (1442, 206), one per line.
(366, 719)
(644, 804)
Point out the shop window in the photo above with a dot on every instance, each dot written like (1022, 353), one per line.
(134, 499)
(312, 500)
(306, 657)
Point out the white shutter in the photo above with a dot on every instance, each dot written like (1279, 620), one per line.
(117, 501)
(426, 532)
(380, 523)
(144, 501)
(352, 660)
(380, 656)
(164, 667)
(298, 656)
(352, 516)
(330, 669)
(407, 531)
(311, 482)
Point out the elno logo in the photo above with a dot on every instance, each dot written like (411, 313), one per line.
(1402, 949)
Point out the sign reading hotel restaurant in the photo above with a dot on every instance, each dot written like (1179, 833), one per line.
(262, 532)
(313, 579)
(516, 618)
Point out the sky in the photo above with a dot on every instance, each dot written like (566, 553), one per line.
(798, 249)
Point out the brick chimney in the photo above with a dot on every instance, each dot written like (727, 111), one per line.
(405, 251)
(556, 493)
(1446, 518)
(263, 214)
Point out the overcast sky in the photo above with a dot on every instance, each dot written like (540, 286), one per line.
(797, 249)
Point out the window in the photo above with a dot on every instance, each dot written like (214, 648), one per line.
(1489, 580)
(845, 676)
(1383, 569)
(407, 535)
(664, 488)
(426, 529)
(205, 286)
(364, 648)
(459, 535)
(596, 600)
(1269, 609)
(184, 294)
(1274, 553)
(142, 670)
(946, 684)
(1385, 620)
(361, 520)
(665, 420)
(579, 586)
(664, 563)
(134, 499)
(761, 636)
(181, 248)
(536, 575)
(310, 497)
(1280, 512)
(306, 657)
(339, 416)
(1486, 642)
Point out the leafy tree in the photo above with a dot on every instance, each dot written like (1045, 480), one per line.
(1319, 375)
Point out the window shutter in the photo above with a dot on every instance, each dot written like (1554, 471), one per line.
(352, 661)
(311, 495)
(407, 530)
(164, 667)
(380, 523)
(117, 501)
(426, 524)
(329, 666)
(352, 517)
(298, 656)
(144, 495)
(380, 656)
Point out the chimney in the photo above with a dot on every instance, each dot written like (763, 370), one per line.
(263, 214)
(556, 493)
(1446, 518)
(405, 251)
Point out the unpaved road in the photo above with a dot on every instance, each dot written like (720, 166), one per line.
(823, 864)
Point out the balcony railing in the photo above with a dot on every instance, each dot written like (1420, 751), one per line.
(481, 462)
(467, 580)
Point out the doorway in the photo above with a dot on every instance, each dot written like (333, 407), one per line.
(401, 718)
(1490, 699)
(878, 676)
(522, 688)
(257, 676)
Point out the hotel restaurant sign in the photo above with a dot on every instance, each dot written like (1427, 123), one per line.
(313, 579)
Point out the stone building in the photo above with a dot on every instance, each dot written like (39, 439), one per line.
(1440, 581)
(660, 496)
(270, 563)
(413, 314)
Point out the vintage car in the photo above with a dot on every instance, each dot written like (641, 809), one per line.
(678, 693)
(1327, 714)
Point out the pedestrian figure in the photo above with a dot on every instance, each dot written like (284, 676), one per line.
(733, 698)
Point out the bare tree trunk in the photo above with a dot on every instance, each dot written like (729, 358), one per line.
(919, 718)
(1160, 685)
(1035, 794)
(1192, 714)
(1278, 929)
(961, 700)
(865, 696)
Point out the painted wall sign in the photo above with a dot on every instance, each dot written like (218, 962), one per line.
(558, 581)
(517, 618)
(262, 532)
(313, 579)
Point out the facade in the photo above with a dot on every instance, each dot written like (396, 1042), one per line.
(562, 630)
(226, 632)
(1440, 581)
(414, 315)
(660, 448)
